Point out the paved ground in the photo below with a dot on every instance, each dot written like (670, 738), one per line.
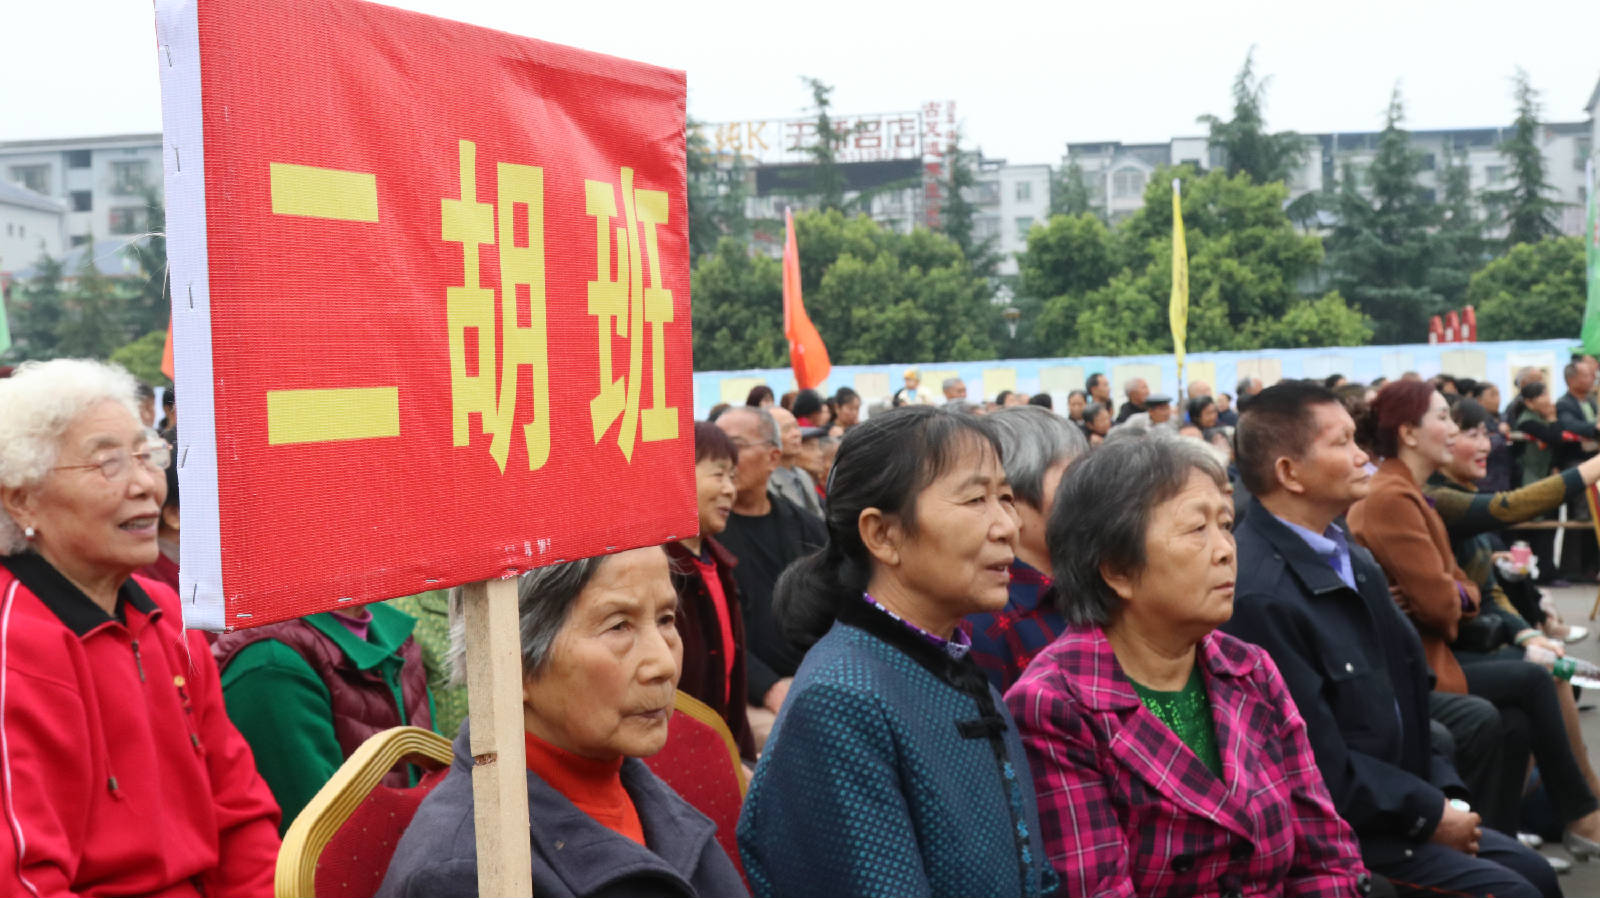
(1575, 602)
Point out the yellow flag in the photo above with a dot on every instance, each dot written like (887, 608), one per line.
(1178, 309)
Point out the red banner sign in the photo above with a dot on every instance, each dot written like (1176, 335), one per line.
(431, 303)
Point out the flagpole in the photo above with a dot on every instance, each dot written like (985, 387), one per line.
(1591, 242)
(1178, 305)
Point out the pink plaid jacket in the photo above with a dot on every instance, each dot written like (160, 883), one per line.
(1125, 808)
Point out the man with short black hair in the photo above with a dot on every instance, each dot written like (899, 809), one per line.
(1574, 410)
(1099, 387)
(1226, 416)
(1320, 606)
(146, 395)
(1248, 387)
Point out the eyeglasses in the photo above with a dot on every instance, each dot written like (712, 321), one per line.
(118, 466)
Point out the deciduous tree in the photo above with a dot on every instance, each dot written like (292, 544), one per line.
(1536, 291)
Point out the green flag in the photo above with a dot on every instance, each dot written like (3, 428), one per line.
(5, 328)
(1591, 242)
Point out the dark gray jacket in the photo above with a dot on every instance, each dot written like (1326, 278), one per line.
(573, 856)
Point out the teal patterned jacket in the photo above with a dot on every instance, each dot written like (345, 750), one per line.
(894, 769)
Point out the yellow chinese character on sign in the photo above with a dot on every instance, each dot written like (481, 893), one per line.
(470, 310)
(626, 305)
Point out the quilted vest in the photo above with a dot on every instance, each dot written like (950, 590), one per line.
(362, 702)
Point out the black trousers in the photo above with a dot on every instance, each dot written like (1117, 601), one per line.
(1526, 687)
(1491, 753)
(1503, 867)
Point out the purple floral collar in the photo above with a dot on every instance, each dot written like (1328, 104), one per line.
(956, 646)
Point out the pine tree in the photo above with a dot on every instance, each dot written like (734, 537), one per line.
(1459, 245)
(87, 327)
(1525, 207)
(716, 196)
(1245, 144)
(36, 311)
(827, 178)
(151, 308)
(1069, 191)
(957, 216)
(1381, 250)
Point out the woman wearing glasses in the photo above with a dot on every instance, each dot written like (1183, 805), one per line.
(120, 773)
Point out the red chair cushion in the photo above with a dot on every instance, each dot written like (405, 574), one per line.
(355, 859)
(697, 765)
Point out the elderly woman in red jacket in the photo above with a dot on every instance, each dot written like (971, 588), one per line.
(1168, 758)
(120, 771)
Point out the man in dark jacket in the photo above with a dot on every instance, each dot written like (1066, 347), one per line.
(1137, 389)
(1574, 411)
(766, 533)
(1320, 606)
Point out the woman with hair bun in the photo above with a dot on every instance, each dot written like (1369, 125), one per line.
(894, 767)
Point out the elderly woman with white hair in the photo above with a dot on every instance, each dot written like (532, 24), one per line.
(600, 662)
(1038, 446)
(121, 770)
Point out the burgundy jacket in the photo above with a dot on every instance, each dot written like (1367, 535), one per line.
(361, 701)
(704, 666)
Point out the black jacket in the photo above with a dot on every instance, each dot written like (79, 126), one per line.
(765, 547)
(1569, 414)
(1355, 667)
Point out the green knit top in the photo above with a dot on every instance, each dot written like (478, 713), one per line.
(1187, 713)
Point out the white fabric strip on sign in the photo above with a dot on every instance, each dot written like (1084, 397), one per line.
(183, 159)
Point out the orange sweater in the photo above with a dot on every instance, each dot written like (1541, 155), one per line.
(593, 787)
(1398, 526)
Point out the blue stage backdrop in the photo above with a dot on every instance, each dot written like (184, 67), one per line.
(1497, 362)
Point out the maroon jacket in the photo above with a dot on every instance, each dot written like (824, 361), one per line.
(361, 701)
(704, 666)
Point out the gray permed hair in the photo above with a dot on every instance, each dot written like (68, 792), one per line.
(544, 597)
(1032, 439)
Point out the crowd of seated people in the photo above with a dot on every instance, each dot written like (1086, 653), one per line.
(1268, 646)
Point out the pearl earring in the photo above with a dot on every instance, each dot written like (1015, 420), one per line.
(29, 533)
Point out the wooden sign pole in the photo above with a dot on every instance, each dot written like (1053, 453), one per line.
(494, 703)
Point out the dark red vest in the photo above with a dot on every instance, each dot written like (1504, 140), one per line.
(361, 700)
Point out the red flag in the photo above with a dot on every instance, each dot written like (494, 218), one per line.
(807, 356)
(167, 367)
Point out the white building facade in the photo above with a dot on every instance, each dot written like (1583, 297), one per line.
(103, 181)
(1010, 200)
(1116, 173)
(31, 224)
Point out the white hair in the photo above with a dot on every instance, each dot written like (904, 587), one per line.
(37, 405)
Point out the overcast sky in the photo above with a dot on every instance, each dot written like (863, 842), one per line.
(1027, 77)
